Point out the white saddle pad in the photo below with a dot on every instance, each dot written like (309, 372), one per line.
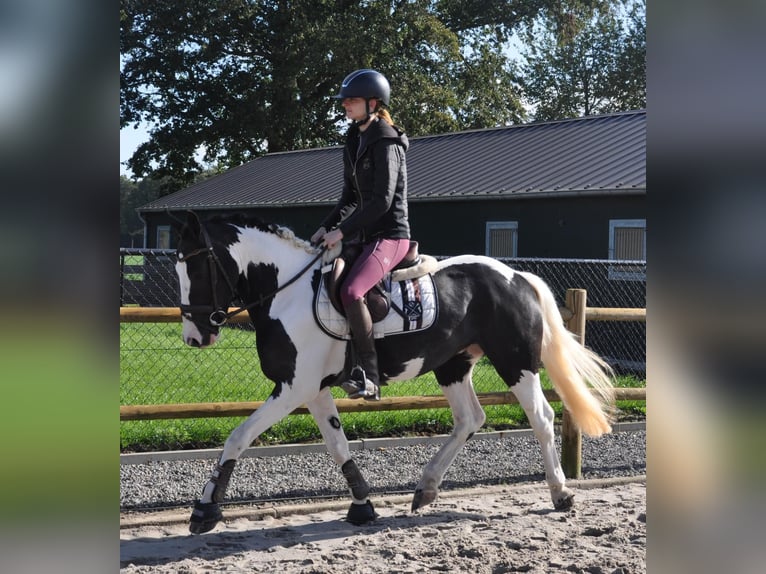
(413, 308)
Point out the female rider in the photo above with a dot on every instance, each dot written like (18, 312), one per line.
(375, 186)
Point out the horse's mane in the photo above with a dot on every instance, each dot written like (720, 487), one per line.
(253, 221)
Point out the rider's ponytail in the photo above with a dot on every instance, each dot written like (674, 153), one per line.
(384, 115)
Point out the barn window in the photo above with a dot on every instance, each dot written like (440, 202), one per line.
(163, 237)
(502, 238)
(627, 242)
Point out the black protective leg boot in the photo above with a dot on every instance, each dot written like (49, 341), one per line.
(363, 381)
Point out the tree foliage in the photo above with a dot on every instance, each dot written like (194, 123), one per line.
(233, 79)
(132, 195)
(602, 69)
(629, 79)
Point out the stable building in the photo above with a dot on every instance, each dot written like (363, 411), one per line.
(572, 188)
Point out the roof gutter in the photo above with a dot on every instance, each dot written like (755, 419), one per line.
(533, 195)
(435, 198)
(146, 226)
(236, 206)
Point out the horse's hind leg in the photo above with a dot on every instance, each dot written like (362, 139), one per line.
(540, 414)
(467, 415)
(325, 412)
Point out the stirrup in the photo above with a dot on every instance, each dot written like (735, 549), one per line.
(360, 387)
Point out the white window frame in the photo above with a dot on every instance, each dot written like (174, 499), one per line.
(615, 271)
(493, 225)
(160, 230)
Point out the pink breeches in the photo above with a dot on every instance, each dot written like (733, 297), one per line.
(378, 258)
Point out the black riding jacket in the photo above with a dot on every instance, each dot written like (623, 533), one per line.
(375, 181)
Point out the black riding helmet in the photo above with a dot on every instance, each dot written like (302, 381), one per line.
(365, 84)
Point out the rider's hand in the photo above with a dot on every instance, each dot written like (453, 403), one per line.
(332, 237)
(318, 234)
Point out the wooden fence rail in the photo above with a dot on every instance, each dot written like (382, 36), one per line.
(575, 314)
(245, 408)
(173, 314)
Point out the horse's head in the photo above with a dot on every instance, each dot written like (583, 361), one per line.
(207, 275)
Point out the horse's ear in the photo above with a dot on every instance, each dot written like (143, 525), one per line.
(176, 223)
(193, 225)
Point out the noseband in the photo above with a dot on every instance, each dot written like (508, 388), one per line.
(219, 315)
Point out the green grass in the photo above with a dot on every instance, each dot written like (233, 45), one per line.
(157, 368)
(133, 261)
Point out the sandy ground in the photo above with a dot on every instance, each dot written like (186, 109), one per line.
(483, 530)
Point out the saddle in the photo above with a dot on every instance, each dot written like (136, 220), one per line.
(378, 299)
(404, 301)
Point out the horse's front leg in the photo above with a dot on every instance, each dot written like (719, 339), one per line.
(207, 512)
(540, 415)
(468, 417)
(324, 411)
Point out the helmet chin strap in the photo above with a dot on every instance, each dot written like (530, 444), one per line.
(368, 114)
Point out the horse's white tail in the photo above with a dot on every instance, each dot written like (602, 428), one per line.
(572, 367)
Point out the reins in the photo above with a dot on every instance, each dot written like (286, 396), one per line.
(263, 298)
(219, 317)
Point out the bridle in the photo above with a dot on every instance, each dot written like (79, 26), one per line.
(219, 315)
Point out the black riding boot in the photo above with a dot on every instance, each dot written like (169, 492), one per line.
(363, 381)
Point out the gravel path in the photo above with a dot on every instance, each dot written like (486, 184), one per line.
(511, 459)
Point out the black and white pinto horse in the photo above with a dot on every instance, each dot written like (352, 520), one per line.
(485, 308)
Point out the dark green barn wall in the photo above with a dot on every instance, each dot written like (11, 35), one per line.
(575, 227)
(554, 227)
(304, 221)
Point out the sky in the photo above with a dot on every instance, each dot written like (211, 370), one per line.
(130, 139)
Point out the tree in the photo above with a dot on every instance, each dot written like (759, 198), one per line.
(233, 79)
(133, 195)
(600, 70)
(629, 79)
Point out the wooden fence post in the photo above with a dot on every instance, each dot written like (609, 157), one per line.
(571, 437)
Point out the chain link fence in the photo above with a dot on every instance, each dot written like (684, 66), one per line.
(157, 368)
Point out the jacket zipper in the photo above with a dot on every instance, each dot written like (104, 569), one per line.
(357, 190)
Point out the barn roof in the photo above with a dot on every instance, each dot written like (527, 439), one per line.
(593, 155)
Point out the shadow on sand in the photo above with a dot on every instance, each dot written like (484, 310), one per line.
(221, 543)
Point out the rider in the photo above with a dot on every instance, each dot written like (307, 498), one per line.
(375, 185)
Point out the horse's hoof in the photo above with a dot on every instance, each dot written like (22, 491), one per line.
(359, 514)
(565, 502)
(204, 517)
(422, 498)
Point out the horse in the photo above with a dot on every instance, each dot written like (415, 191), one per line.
(484, 308)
